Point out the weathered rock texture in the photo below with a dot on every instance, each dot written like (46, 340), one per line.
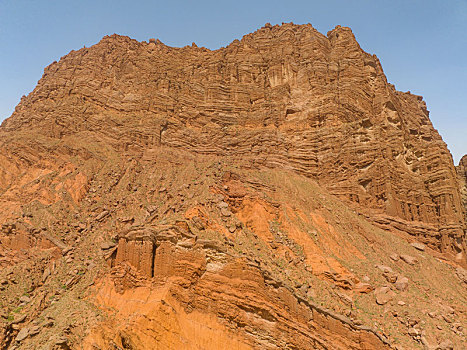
(462, 174)
(284, 96)
(168, 198)
(263, 315)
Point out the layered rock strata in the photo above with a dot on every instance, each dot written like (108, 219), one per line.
(159, 197)
(284, 96)
(170, 250)
(462, 175)
(254, 312)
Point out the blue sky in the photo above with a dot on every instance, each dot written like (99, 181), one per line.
(422, 45)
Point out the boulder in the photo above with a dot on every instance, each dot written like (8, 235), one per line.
(22, 334)
(413, 332)
(18, 319)
(418, 246)
(385, 269)
(401, 283)
(390, 276)
(384, 295)
(45, 274)
(409, 259)
(222, 205)
(394, 256)
(34, 330)
(362, 287)
(24, 299)
(107, 245)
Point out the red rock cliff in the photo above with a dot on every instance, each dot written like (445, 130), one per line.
(462, 173)
(284, 96)
(263, 195)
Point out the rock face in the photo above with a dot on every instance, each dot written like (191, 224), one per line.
(462, 175)
(236, 290)
(254, 195)
(284, 96)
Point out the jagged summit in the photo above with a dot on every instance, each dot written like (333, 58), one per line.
(276, 193)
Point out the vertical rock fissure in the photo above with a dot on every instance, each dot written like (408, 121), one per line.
(153, 258)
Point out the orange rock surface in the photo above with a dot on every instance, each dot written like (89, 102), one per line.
(283, 96)
(258, 196)
(462, 174)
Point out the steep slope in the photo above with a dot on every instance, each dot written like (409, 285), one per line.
(462, 174)
(262, 195)
(283, 96)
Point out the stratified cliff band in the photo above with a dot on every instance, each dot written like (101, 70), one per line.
(284, 96)
(263, 195)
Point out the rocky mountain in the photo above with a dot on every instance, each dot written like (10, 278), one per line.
(462, 173)
(277, 193)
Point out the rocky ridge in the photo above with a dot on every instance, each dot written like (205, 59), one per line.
(263, 194)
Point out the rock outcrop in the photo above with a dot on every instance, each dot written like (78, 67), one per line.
(462, 175)
(258, 310)
(276, 193)
(284, 96)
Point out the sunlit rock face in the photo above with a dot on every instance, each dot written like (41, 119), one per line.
(264, 195)
(462, 174)
(284, 96)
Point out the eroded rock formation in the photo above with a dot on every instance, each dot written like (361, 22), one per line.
(184, 282)
(284, 96)
(262, 194)
(462, 174)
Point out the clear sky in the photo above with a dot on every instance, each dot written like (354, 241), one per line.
(422, 44)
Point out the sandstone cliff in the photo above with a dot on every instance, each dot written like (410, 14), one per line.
(263, 195)
(284, 96)
(462, 174)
